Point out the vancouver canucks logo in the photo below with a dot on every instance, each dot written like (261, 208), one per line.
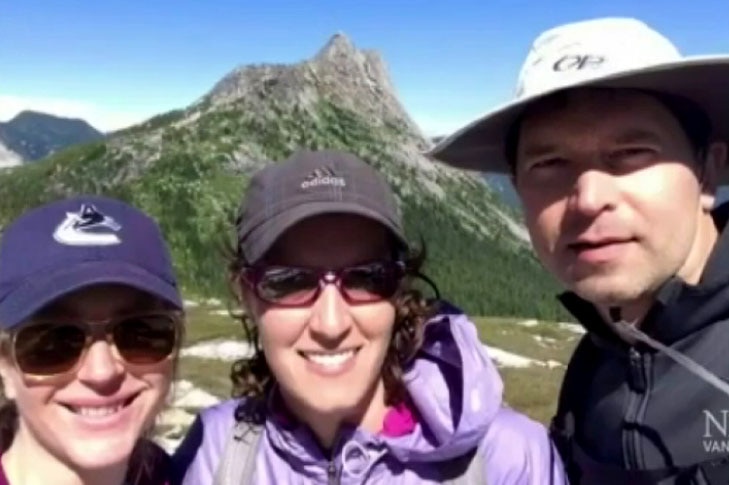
(87, 227)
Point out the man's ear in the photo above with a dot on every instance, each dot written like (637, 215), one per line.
(714, 164)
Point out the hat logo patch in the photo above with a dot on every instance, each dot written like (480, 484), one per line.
(578, 62)
(323, 176)
(87, 227)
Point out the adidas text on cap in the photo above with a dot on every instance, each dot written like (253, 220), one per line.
(307, 184)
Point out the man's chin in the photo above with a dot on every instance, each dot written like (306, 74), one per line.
(606, 291)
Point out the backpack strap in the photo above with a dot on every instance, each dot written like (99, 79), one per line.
(465, 470)
(714, 472)
(475, 472)
(238, 464)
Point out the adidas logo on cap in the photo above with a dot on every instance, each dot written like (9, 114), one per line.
(323, 176)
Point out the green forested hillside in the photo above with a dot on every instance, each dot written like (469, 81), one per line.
(189, 168)
(193, 188)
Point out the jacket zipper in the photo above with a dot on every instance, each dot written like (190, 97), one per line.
(646, 364)
(630, 440)
(640, 389)
(334, 477)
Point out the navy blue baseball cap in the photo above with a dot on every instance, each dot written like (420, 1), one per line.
(63, 246)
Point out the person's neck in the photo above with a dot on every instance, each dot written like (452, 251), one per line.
(21, 465)
(707, 235)
(325, 426)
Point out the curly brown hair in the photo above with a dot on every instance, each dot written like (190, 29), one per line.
(252, 378)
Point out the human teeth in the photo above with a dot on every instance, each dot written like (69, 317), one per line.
(97, 412)
(330, 360)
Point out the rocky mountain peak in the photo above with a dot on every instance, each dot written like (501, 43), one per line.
(339, 73)
(338, 45)
(189, 167)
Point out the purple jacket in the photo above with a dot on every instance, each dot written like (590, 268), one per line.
(457, 392)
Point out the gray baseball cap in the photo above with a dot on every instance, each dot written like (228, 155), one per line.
(307, 184)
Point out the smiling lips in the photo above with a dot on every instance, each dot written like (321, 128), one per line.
(97, 410)
(330, 363)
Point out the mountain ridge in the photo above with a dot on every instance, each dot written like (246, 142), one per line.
(32, 135)
(189, 168)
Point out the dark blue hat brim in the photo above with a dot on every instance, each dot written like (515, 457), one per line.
(39, 290)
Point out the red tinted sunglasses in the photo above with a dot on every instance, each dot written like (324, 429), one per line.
(291, 286)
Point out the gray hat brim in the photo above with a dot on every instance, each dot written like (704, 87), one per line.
(263, 237)
(479, 145)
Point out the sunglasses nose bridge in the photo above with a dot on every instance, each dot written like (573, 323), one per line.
(102, 330)
(94, 332)
(99, 363)
(329, 277)
(329, 312)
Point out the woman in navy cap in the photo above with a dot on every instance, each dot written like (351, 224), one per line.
(90, 327)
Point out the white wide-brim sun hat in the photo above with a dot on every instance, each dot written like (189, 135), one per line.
(605, 52)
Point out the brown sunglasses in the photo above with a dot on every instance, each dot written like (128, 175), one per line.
(45, 348)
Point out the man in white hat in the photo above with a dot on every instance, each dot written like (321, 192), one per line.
(616, 145)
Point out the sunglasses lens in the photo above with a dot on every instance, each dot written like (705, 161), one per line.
(287, 286)
(370, 282)
(48, 348)
(147, 339)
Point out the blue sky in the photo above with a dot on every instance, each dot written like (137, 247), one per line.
(117, 62)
